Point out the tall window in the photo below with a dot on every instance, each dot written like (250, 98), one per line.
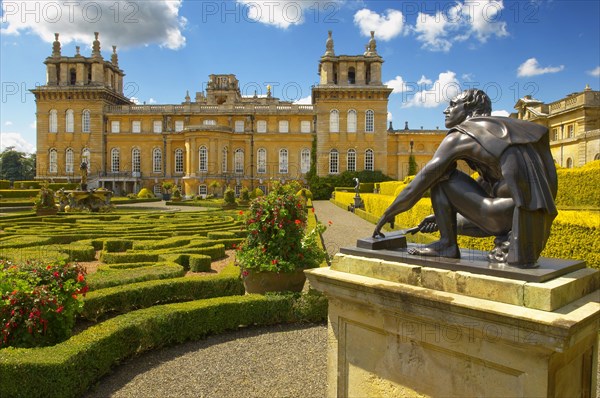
(85, 121)
(53, 121)
(351, 160)
(351, 123)
(334, 121)
(570, 131)
(261, 126)
(224, 160)
(284, 126)
(115, 126)
(334, 164)
(53, 161)
(261, 161)
(305, 126)
(555, 134)
(136, 161)
(351, 75)
(283, 161)
(203, 159)
(369, 121)
(69, 160)
(210, 122)
(179, 160)
(305, 161)
(136, 126)
(158, 126)
(156, 160)
(569, 163)
(178, 126)
(115, 160)
(87, 157)
(239, 126)
(69, 121)
(369, 160)
(238, 160)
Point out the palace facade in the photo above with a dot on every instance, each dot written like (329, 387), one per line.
(219, 135)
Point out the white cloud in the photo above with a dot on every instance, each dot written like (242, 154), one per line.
(17, 141)
(531, 67)
(484, 18)
(441, 91)
(501, 112)
(151, 101)
(123, 23)
(397, 84)
(33, 125)
(304, 101)
(8, 123)
(283, 13)
(433, 30)
(386, 27)
(390, 117)
(424, 80)
(594, 72)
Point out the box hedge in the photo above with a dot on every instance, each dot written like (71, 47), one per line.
(108, 277)
(579, 186)
(19, 193)
(4, 184)
(199, 263)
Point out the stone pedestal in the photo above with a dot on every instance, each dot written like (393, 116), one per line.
(402, 330)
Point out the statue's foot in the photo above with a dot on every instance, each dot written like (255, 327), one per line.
(436, 249)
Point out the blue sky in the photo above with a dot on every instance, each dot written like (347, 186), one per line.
(431, 49)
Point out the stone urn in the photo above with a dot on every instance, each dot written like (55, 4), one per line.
(268, 281)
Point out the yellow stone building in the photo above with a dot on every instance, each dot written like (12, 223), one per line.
(573, 122)
(219, 135)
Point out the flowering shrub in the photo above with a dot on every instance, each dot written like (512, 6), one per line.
(38, 302)
(276, 239)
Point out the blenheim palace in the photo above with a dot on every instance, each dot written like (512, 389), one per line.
(220, 135)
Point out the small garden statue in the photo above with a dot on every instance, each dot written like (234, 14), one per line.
(45, 203)
(83, 169)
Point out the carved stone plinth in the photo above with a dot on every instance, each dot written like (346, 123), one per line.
(398, 329)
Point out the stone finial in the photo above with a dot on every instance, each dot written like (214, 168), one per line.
(269, 91)
(96, 46)
(391, 128)
(329, 45)
(187, 96)
(372, 50)
(77, 51)
(56, 47)
(114, 58)
(405, 125)
(588, 88)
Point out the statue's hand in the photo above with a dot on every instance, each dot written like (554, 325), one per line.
(428, 224)
(377, 233)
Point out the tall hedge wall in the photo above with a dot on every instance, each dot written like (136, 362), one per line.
(579, 187)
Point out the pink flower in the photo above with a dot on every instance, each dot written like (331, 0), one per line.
(60, 309)
(245, 273)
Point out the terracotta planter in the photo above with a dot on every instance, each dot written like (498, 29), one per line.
(265, 281)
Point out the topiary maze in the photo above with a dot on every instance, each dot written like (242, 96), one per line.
(140, 298)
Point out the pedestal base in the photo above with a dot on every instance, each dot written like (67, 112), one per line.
(398, 332)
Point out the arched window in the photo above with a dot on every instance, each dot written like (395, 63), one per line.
(369, 160)
(351, 160)
(261, 161)
(369, 121)
(115, 160)
(283, 161)
(157, 189)
(136, 161)
(334, 121)
(156, 160)
(52, 161)
(305, 161)
(351, 75)
(203, 159)
(334, 163)
(72, 76)
(238, 160)
(179, 160)
(597, 156)
(569, 163)
(53, 121)
(69, 121)
(87, 157)
(224, 160)
(69, 160)
(85, 121)
(351, 123)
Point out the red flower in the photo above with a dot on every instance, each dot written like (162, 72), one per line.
(312, 209)
(60, 309)
(245, 273)
(274, 262)
(80, 278)
(48, 267)
(241, 213)
(298, 222)
(330, 223)
(74, 295)
(56, 274)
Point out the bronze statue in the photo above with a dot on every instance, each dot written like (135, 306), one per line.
(83, 168)
(513, 197)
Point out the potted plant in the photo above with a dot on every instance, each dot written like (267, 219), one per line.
(278, 248)
(45, 204)
(167, 187)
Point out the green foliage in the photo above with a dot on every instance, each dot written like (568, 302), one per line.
(579, 186)
(412, 165)
(323, 187)
(304, 193)
(36, 184)
(167, 186)
(19, 193)
(113, 245)
(200, 263)
(145, 193)
(107, 276)
(4, 184)
(45, 199)
(229, 196)
(15, 165)
(244, 195)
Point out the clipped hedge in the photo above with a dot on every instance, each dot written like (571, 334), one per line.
(114, 258)
(4, 184)
(69, 368)
(199, 263)
(579, 186)
(19, 193)
(107, 277)
(115, 245)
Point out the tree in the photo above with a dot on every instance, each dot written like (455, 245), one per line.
(412, 165)
(16, 166)
(214, 185)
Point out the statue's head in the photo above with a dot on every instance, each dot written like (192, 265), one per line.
(469, 103)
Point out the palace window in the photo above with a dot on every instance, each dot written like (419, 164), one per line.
(69, 160)
(570, 131)
(69, 121)
(136, 126)
(369, 160)
(261, 161)
(239, 126)
(179, 160)
(115, 160)
(283, 161)
(53, 121)
(210, 122)
(224, 160)
(334, 121)
(158, 126)
(203, 190)
(136, 160)
(305, 126)
(178, 126)
(334, 166)
(284, 126)
(569, 163)
(351, 160)
(351, 75)
(305, 161)
(238, 160)
(85, 121)
(351, 123)
(115, 126)
(156, 160)
(203, 159)
(554, 134)
(157, 189)
(369, 121)
(53, 161)
(261, 126)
